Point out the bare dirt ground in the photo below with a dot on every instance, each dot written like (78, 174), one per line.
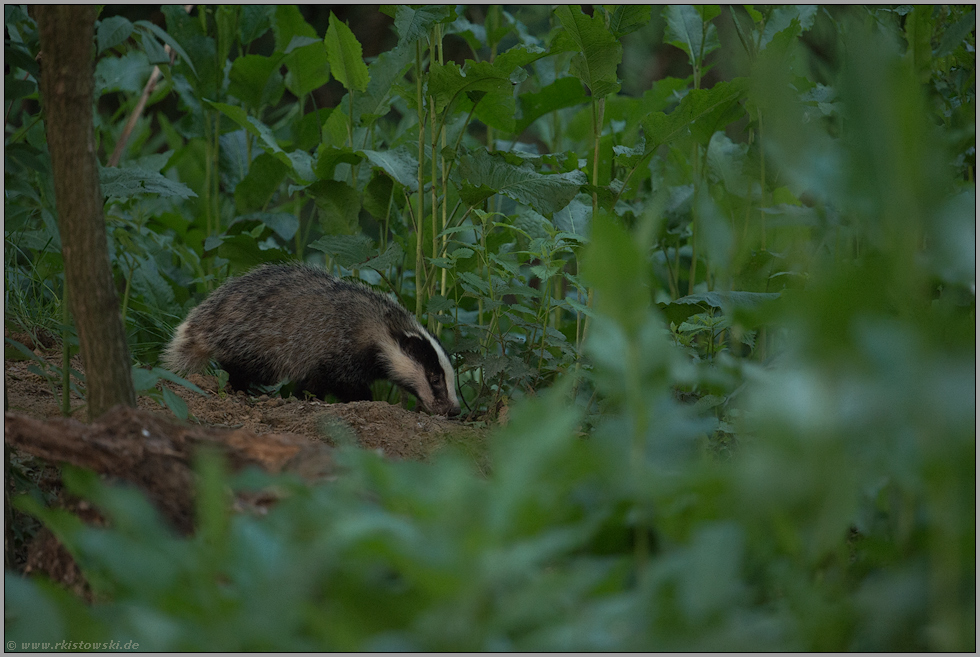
(396, 432)
(393, 431)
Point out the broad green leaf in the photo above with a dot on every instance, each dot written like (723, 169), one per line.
(176, 405)
(155, 52)
(518, 56)
(399, 163)
(256, 80)
(169, 40)
(563, 92)
(255, 20)
(726, 160)
(226, 20)
(282, 224)
(448, 81)
(244, 253)
(414, 24)
(389, 67)
(143, 379)
(629, 18)
(112, 31)
(344, 55)
(124, 183)
(264, 176)
(15, 57)
(338, 206)
(328, 157)
(377, 194)
(782, 19)
(545, 193)
(622, 292)
(348, 250)
(599, 52)
(954, 35)
(288, 23)
(497, 111)
(392, 256)
(701, 107)
(688, 29)
(308, 68)
(14, 89)
(680, 309)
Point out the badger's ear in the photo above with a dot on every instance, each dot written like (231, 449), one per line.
(419, 349)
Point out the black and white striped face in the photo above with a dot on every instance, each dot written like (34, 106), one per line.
(421, 366)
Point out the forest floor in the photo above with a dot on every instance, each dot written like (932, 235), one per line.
(391, 430)
(395, 431)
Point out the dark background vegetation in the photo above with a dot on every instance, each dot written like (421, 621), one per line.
(717, 263)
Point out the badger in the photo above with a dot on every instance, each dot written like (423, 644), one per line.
(325, 334)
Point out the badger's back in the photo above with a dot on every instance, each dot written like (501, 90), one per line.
(327, 335)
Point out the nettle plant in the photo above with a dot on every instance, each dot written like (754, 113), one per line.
(462, 167)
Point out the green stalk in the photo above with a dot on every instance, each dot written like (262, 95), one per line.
(419, 258)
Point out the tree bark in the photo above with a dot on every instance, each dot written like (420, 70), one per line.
(67, 87)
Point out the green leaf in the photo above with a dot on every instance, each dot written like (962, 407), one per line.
(686, 30)
(256, 80)
(680, 309)
(288, 23)
(392, 256)
(169, 40)
(282, 224)
(399, 163)
(255, 190)
(629, 18)
(176, 405)
(622, 291)
(448, 81)
(125, 183)
(338, 206)
(599, 52)
(414, 24)
(255, 20)
(347, 250)
(14, 89)
(954, 36)
(497, 111)
(517, 57)
(308, 68)
(546, 193)
(388, 68)
(126, 73)
(344, 55)
(563, 92)
(328, 157)
(299, 162)
(782, 19)
(701, 108)
(112, 31)
(143, 379)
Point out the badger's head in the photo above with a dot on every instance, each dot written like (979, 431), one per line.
(421, 366)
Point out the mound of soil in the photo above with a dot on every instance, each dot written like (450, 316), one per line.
(153, 450)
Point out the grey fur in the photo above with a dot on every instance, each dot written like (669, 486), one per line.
(327, 335)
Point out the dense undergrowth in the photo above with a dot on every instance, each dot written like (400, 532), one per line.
(738, 297)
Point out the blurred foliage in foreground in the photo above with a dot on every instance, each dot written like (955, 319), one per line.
(845, 518)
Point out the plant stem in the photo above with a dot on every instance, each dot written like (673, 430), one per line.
(419, 257)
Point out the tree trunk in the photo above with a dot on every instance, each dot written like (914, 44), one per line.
(67, 82)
